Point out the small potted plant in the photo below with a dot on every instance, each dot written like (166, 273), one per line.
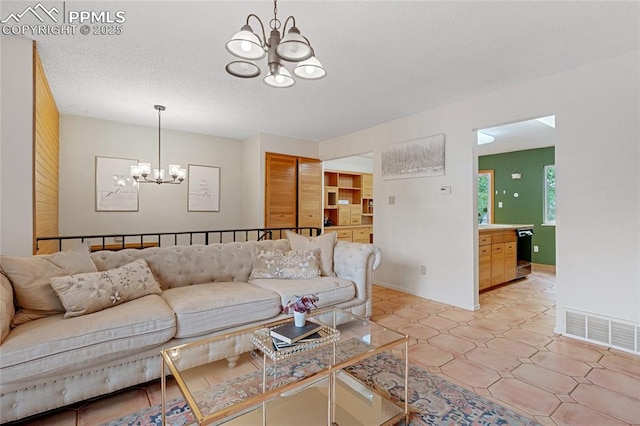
(300, 306)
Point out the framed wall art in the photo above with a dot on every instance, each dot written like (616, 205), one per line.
(116, 190)
(414, 158)
(204, 189)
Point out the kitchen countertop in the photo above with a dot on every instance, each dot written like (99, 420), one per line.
(502, 227)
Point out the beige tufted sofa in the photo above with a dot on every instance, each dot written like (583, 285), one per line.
(52, 361)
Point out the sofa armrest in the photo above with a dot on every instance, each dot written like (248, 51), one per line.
(356, 262)
(7, 307)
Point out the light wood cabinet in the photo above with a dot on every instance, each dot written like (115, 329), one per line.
(293, 191)
(367, 185)
(345, 234)
(497, 253)
(356, 214)
(344, 215)
(510, 261)
(348, 202)
(484, 261)
(497, 263)
(361, 235)
(356, 234)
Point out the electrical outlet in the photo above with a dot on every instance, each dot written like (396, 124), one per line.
(536, 249)
(423, 269)
(392, 200)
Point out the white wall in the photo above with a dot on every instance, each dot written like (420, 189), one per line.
(162, 208)
(598, 209)
(350, 164)
(16, 147)
(252, 193)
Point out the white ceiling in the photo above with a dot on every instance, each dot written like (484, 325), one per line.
(528, 134)
(385, 60)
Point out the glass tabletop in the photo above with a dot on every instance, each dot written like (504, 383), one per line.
(217, 393)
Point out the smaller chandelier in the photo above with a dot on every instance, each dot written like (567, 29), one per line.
(141, 171)
(294, 47)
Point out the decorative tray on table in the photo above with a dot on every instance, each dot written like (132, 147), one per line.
(263, 340)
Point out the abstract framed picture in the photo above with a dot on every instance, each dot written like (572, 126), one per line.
(414, 158)
(204, 189)
(116, 190)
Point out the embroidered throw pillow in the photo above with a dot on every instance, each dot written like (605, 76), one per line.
(294, 264)
(324, 242)
(30, 277)
(83, 294)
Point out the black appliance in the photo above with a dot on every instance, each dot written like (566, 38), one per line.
(525, 237)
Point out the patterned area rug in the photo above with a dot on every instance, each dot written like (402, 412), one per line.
(432, 399)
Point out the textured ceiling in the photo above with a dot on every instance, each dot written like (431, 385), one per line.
(529, 134)
(385, 60)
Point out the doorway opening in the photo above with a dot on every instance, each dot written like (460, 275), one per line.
(516, 185)
(348, 197)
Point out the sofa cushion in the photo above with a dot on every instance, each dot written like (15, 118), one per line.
(52, 344)
(324, 242)
(179, 266)
(7, 308)
(292, 264)
(30, 277)
(83, 294)
(330, 290)
(205, 308)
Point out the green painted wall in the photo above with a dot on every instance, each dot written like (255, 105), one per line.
(528, 207)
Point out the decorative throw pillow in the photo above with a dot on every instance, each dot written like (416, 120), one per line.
(30, 277)
(324, 242)
(7, 309)
(83, 294)
(294, 264)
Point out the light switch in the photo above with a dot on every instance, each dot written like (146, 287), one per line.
(392, 199)
(499, 204)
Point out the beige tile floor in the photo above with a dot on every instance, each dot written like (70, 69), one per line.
(506, 351)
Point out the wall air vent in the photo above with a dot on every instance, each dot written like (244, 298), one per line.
(606, 331)
(598, 329)
(622, 335)
(576, 324)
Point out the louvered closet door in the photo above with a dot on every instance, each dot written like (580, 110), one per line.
(309, 192)
(280, 192)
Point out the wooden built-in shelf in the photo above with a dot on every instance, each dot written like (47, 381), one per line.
(348, 203)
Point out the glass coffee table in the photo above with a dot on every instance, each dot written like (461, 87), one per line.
(304, 384)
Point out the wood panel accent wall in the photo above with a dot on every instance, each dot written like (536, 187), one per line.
(46, 149)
